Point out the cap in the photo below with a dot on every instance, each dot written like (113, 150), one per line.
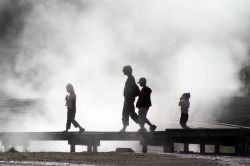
(142, 80)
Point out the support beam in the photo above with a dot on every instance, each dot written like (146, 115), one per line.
(216, 148)
(94, 148)
(168, 147)
(186, 147)
(202, 148)
(246, 146)
(144, 148)
(72, 148)
(242, 146)
(165, 148)
(89, 148)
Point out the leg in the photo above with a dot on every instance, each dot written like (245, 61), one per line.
(185, 119)
(182, 120)
(152, 126)
(75, 123)
(145, 119)
(125, 116)
(148, 122)
(132, 112)
(71, 117)
(142, 117)
(68, 124)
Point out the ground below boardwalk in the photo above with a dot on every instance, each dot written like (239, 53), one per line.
(112, 158)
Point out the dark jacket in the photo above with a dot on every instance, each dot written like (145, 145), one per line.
(71, 102)
(184, 104)
(144, 99)
(129, 88)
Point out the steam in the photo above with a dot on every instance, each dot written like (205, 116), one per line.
(179, 46)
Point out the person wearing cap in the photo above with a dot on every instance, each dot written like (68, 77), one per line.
(131, 90)
(143, 103)
(184, 104)
(71, 107)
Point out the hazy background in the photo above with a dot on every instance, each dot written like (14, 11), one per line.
(180, 46)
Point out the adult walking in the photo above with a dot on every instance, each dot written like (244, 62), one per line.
(131, 90)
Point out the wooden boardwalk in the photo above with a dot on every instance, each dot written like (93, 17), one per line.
(239, 138)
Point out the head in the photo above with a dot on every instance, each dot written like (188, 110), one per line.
(127, 70)
(142, 82)
(186, 95)
(70, 88)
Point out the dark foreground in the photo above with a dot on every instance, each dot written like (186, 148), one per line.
(112, 158)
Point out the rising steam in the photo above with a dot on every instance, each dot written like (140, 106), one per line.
(179, 46)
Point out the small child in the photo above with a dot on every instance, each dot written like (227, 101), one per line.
(184, 104)
(71, 107)
(143, 104)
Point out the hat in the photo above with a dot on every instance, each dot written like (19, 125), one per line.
(142, 80)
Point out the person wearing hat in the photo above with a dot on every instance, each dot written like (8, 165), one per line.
(131, 90)
(143, 103)
(184, 104)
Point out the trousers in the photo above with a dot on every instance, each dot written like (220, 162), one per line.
(143, 116)
(183, 119)
(71, 119)
(129, 110)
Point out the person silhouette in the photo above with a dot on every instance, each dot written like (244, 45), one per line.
(131, 90)
(71, 107)
(184, 104)
(143, 103)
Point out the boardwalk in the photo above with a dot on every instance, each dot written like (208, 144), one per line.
(239, 138)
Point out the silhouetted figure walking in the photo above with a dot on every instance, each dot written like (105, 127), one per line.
(143, 104)
(184, 104)
(71, 106)
(131, 90)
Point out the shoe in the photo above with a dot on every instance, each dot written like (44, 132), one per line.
(184, 126)
(81, 130)
(152, 128)
(65, 131)
(122, 130)
(143, 130)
